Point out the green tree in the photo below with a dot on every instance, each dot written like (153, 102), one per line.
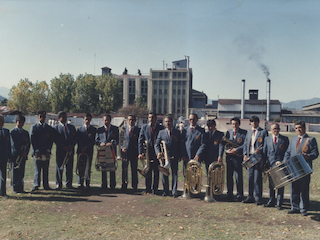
(109, 91)
(19, 96)
(39, 97)
(85, 97)
(62, 89)
(4, 102)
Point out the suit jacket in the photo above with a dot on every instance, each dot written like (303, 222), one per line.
(113, 134)
(145, 134)
(132, 142)
(275, 152)
(41, 138)
(61, 139)
(214, 146)
(193, 143)
(86, 139)
(239, 139)
(19, 139)
(5, 148)
(172, 143)
(259, 140)
(311, 148)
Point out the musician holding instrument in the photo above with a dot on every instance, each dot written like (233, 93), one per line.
(131, 152)
(107, 135)
(171, 137)
(65, 140)
(149, 132)
(234, 151)
(41, 139)
(253, 144)
(85, 139)
(20, 146)
(274, 149)
(5, 156)
(306, 146)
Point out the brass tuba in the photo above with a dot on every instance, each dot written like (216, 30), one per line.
(192, 179)
(215, 181)
(145, 160)
(230, 145)
(164, 160)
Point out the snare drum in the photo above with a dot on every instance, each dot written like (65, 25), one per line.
(105, 159)
(253, 160)
(289, 171)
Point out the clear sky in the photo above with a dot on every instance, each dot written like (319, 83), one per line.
(227, 41)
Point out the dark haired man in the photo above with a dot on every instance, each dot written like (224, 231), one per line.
(65, 141)
(308, 147)
(85, 138)
(41, 139)
(5, 155)
(20, 146)
(234, 159)
(253, 143)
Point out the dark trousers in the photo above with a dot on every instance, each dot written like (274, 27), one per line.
(234, 166)
(134, 173)
(60, 156)
(300, 194)
(153, 168)
(272, 199)
(104, 181)
(165, 179)
(38, 165)
(84, 171)
(18, 176)
(3, 177)
(255, 182)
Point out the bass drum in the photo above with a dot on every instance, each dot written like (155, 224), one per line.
(289, 171)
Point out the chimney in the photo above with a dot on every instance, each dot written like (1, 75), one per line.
(242, 98)
(268, 100)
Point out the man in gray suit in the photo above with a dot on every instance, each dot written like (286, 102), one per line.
(308, 147)
(274, 149)
(5, 155)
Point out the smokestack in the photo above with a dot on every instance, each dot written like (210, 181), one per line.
(268, 99)
(242, 98)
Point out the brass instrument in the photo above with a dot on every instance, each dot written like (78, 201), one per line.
(230, 145)
(145, 160)
(192, 179)
(83, 165)
(105, 160)
(164, 160)
(19, 159)
(66, 159)
(122, 145)
(215, 181)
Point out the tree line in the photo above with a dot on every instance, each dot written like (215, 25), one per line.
(85, 93)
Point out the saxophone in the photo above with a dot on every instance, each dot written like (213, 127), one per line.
(215, 181)
(145, 160)
(192, 179)
(164, 160)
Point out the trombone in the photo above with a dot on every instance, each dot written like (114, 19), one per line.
(66, 159)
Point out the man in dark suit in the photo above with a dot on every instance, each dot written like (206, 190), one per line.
(308, 147)
(274, 149)
(171, 136)
(253, 143)
(130, 152)
(20, 146)
(65, 140)
(86, 139)
(193, 140)
(107, 135)
(41, 139)
(214, 147)
(234, 159)
(150, 132)
(5, 155)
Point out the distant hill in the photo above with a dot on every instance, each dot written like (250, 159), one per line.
(298, 104)
(4, 92)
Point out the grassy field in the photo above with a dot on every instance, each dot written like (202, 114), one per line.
(72, 214)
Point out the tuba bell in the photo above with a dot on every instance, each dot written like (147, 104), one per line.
(145, 160)
(215, 181)
(164, 160)
(192, 179)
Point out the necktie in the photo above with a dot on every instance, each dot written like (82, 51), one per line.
(191, 129)
(254, 132)
(86, 128)
(66, 131)
(130, 132)
(211, 136)
(234, 133)
(298, 142)
(106, 132)
(275, 140)
(169, 132)
(152, 135)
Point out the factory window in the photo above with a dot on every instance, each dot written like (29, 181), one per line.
(173, 91)
(183, 91)
(155, 75)
(179, 75)
(165, 91)
(184, 75)
(174, 75)
(184, 83)
(174, 82)
(160, 91)
(179, 91)
(160, 82)
(154, 91)
(166, 75)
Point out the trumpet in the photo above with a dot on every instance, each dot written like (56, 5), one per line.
(192, 179)
(83, 167)
(66, 159)
(145, 160)
(19, 159)
(215, 181)
(164, 160)
(230, 145)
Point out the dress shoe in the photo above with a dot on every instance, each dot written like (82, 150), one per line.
(147, 191)
(175, 195)
(34, 189)
(292, 211)
(269, 204)
(47, 188)
(258, 203)
(239, 199)
(279, 207)
(304, 214)
(58, 187)
(70, 186)
(248, 200)
(123, 189)
(228, 198)
(80, 187)
(135, 189)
